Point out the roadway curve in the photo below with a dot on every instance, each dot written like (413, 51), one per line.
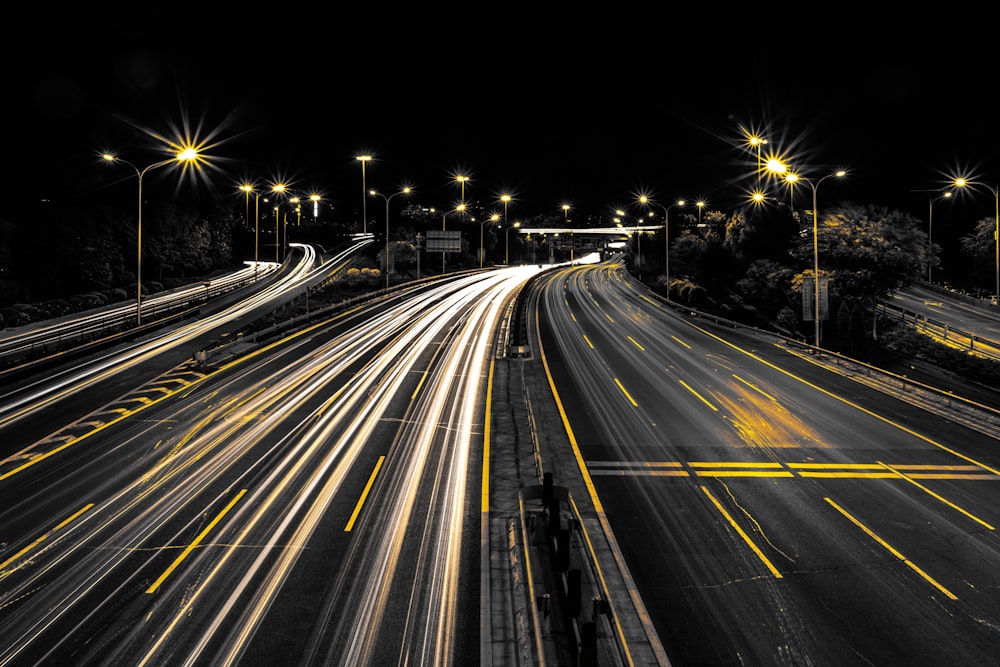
(768, 510)
(309, 502)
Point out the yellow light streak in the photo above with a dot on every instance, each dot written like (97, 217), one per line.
(191, 547)
(62, 524)
(700, 397)
(587, 340)
(627, 395)
(885, 545)
(938, 497)
(742, 533)
(364, 495)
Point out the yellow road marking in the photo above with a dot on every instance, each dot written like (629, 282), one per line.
(892, 550)
(364, 495)
(938, 497)
(591, 345)
(634, 342)
(746, 538)
(627, 395)
(423, 376)
(681, 342)
(756, 388)
(700, 397)
(191, 547)
(62, 524)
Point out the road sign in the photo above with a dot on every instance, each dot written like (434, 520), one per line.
(444, 241)
(809, 298)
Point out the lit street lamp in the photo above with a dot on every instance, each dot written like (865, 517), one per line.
(930, 224)
(666, 234)
(962, 183)
(183, 155)
(277, 188)
(375, 193)
(364, 159)
(795, 178)
(493, 218)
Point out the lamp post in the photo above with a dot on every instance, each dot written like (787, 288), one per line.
(246, 188)
(755, 142)
(277, 188)
(643, 199)
(183, 155)
(462, 180)
(364, 159)
(493, 218)
(795, 178)
(505, 198)
(700, 204)
(930, 224)
(459, 209)
(506, 243)
(962, 183)
(375, 193)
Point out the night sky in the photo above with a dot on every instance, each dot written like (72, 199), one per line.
(551, 102)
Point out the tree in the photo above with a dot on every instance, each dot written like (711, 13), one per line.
(980, 248)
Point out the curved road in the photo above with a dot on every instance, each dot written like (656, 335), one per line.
(770, 511)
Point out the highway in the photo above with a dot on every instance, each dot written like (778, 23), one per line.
(309, 502)
(768, 508)
(953, 319)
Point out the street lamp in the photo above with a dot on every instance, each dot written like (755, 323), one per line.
(930, 224)
(182, 155)
(755, 141)
(458, 209)
(493, 218)
(506, 200)
(643, 199)
(462, 180)
(277, 188)
(506, 243)
(375, 193)
(364, 159)
(700, 204)
(795, 178)
(962, 183)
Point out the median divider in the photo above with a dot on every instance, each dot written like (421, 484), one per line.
(571, 619)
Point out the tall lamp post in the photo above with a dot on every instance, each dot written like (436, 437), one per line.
(643, 199)
(277, 188)
(962, 183)
(495, 218)
(930, 224)
(795, 178)
(506, 243)
(364, 159)
(184, 155)
(376, 193)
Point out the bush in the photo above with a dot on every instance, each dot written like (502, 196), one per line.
(904, 340)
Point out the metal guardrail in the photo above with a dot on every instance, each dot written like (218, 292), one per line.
(975, 343)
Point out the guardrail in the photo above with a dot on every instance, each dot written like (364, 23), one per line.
(942, 330)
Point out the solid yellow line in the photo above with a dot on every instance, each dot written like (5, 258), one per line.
(588, 341)
(45, 536)
(627, 395)
(484, 505)
(845, 401)
(746, 538)
(891, 550)
(364, 496)
(938, 497)
(191, 547)
(702, 398)
(733, 464)
(744, 473)
(634, 342)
